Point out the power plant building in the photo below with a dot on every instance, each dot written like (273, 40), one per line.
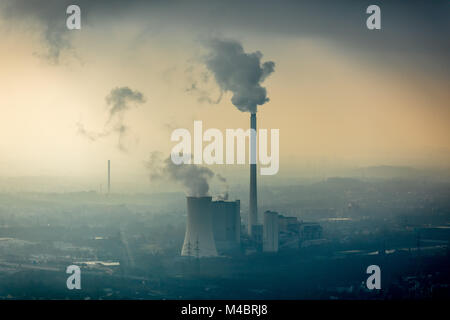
(288, 224)
(226, 220)
(310, 231)
(199, 237)
(271, 232)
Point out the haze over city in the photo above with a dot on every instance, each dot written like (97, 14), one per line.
(93, 205)
(335, 96)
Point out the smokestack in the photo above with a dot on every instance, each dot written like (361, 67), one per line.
(199, 238)
(109, 176)
(253, 213)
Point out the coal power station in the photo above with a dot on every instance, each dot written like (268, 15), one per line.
(214, 227)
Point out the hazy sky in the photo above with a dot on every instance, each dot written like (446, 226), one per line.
(341, 95)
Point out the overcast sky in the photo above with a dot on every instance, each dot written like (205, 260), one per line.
(340, 94)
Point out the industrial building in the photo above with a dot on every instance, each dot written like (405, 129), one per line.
(271, 231)
(226, 220)
(282, 233)
(288, 224)
(214, 227)
(289, 228)
(310, 231)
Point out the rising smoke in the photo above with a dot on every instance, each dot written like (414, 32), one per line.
(119, 100)
(194, 179)
(238, 72)
(201, 86)
(225, 194)
(46, 16)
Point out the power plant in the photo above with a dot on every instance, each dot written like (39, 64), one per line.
(214, 227)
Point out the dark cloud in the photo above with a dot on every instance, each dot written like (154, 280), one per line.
(50, 19)
(238, 72)
(415, 31)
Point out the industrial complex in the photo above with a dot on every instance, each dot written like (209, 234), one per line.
(215, 228)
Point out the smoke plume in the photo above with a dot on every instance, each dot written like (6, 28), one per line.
(201, 86)
(225, 194)
(239, 72)
(194, 179)
(90, 135)
(46, 16)
(119, 100)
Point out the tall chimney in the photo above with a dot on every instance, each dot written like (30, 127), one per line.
(253, 213)
(109, 176)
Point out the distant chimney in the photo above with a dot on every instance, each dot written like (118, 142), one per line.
(109, 176)
(253, 212)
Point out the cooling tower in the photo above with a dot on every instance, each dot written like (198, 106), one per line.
(199, 238)
(253, 212)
